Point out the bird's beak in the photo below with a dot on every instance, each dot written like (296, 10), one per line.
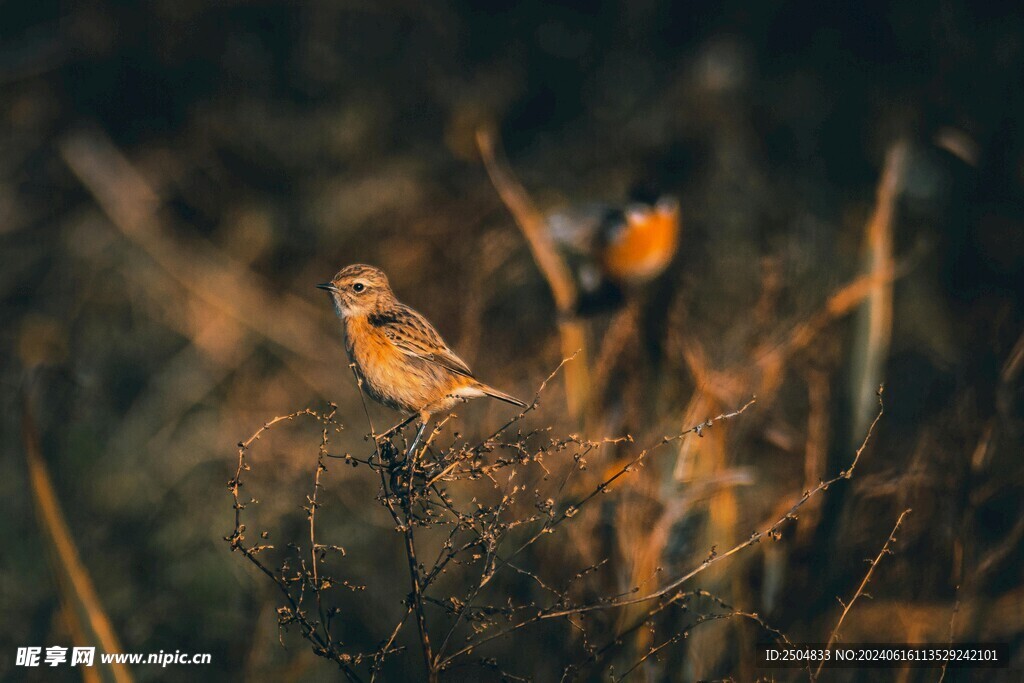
(328, 286)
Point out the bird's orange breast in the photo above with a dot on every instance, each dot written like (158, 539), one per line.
(645, 245)
(392, 377)
(367, 345)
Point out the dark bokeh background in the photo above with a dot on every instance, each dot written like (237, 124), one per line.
(279, 141)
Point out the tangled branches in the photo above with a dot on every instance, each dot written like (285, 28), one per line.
(472, 519)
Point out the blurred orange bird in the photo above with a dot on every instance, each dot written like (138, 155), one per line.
(402, 360)
(616, 247)
(643, 244)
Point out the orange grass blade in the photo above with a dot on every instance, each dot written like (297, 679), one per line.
(82, 605)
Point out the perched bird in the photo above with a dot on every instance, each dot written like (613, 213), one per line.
(613, 248)
(402, 360)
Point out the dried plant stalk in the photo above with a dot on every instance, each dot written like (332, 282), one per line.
(552, 266)
(874, 324)
(82, 604)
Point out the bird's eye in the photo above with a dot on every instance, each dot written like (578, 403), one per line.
(359, 286)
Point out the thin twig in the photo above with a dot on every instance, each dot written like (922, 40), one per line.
(848, 605)
(952, 631)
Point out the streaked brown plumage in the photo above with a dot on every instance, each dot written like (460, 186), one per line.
(403, 361)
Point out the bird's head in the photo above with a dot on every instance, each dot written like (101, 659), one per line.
(359, 290)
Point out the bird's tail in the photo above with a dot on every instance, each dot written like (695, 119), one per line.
(501, 396)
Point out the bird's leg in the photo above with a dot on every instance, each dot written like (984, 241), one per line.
(424, 416)
(416, 440)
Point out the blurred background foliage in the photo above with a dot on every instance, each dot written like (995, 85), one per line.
(175, 177)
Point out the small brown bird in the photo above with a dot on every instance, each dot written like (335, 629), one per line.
(403, 361)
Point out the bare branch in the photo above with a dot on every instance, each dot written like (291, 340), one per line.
(848, 605)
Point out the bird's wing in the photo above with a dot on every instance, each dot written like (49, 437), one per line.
(414, 336)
